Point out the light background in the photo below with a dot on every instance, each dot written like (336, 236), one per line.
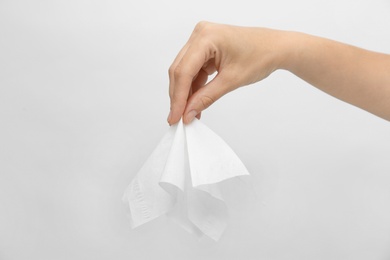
(84, 100)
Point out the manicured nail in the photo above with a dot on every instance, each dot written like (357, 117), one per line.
(169, 117)
(191, 115)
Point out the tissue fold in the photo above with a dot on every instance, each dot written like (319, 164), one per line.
(182, 179)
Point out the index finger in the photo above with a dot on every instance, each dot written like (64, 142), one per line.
(183, 75)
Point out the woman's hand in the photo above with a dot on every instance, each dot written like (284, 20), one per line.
(240, 55)
(244, 55)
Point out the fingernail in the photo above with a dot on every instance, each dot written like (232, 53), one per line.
(191, 115)
(169, 117)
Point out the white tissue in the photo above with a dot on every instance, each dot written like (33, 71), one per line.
(182, 179)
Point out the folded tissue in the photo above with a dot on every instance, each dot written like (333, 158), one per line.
(182, 178)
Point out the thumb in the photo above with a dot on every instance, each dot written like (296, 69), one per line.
(205, 97)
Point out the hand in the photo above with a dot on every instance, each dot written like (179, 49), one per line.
(244, 55)
(240, 55)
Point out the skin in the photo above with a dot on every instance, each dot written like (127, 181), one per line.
(245, 55)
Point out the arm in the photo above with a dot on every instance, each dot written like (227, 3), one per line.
(354, 75)
(243, 55)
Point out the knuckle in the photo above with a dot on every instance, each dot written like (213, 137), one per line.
(203, 27)
(206, 101)
(174, 98)
(170, 71)
(177, 72)
(178, 104)
(177, 98)
(200, 25)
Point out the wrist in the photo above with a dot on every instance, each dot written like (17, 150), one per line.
(290, 46)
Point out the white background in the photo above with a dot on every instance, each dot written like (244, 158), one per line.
(84, 100)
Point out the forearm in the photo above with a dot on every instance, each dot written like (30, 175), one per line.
(354, 75)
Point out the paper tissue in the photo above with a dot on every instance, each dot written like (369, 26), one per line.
(182, 179)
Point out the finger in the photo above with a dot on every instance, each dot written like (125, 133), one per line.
(205, 97)
(183, 76)
(198, 83)
(207, 70)
(176, 61)
(173, 67)
(198, 116)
